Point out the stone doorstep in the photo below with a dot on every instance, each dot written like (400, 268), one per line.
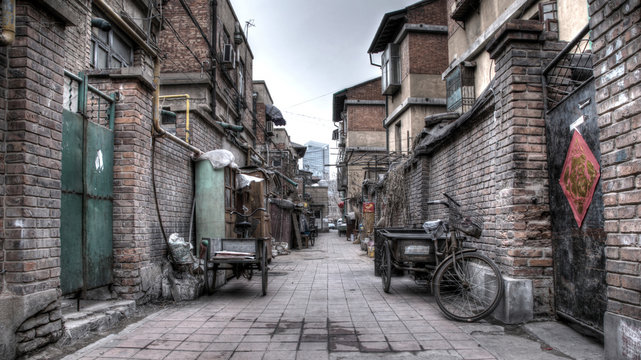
(94, 316)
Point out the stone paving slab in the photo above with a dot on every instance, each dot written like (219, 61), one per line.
(322, 303)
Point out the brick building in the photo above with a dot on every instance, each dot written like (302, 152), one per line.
(411, 81)
(615, 44)
(358, 111)
(79, 217)
(526, 78)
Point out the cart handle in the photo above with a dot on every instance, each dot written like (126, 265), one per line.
(247, 215)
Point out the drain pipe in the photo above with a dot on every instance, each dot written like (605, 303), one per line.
(8, 22)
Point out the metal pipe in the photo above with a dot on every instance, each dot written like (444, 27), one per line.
(8, 34)
(232, 127)
(156, 112)
(186, 96)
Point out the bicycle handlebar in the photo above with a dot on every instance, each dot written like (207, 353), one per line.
(247, 215)
(441, 202)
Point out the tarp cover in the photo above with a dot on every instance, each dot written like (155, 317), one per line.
(219, 158)
(274, 115)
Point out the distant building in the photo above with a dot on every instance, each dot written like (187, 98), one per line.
(316, 158)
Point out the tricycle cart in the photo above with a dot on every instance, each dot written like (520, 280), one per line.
(467, 285)
(241, 255)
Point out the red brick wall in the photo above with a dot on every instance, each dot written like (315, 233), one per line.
(178, 58)
(616, 42)
(365, 117)
(370, 90)
(433, 13)
(432, 44)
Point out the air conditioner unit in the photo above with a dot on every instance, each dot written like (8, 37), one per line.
(229, 55)
(269, 129)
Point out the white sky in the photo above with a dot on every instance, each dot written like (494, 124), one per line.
(307, 50)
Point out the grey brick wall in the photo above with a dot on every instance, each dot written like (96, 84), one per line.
(616, 42)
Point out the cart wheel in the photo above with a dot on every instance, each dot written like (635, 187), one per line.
(210, 276)
(386, 267)
(249, 273)
(263, 268)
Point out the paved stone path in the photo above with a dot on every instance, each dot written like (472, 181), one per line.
(322, 303)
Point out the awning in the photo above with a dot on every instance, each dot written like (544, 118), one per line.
(274, 115)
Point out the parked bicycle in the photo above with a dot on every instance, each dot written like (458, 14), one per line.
(467, 285)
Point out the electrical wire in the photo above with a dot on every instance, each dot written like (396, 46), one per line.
(310, 100)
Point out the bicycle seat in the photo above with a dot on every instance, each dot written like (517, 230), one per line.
(435, 228)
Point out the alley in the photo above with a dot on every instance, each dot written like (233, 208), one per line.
(324, 303)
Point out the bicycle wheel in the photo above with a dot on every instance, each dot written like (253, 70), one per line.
(386, 267)
(468, 289)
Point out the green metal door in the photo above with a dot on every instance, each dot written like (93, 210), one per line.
(71, 208)
(87, 197)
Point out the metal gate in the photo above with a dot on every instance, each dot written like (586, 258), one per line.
(578, 252)
(87, 187)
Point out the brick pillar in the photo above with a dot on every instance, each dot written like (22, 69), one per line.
(133, 197)
(616, 40)
(522, 213)
(31, 83)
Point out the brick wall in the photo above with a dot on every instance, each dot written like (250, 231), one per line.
(179, 59)
(433, 13)
(3, 130)
(616, 42)
(370, 90)
(495, 164)
(433, 44)
(365, 117)
(31, 83)
(32, 159)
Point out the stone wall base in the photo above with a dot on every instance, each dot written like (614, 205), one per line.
(517, 305)
(622, 337)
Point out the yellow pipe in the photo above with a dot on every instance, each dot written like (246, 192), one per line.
(186, 96)
(8, 33)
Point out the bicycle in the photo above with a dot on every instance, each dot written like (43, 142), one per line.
(466, 284)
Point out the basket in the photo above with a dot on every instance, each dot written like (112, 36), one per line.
(469, 223)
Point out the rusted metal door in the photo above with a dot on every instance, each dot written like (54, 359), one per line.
(87, 192)
(578, 251)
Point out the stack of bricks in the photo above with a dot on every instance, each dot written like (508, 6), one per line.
(616, 42)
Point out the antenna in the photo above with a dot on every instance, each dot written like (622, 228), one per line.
(248, 23)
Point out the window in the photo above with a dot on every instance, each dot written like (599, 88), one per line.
(109, 48)
(230, 188)
(391, 70)
(460, 88)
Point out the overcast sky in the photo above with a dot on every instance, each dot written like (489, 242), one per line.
(307, 50)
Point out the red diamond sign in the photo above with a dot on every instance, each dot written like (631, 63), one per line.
(581, 173)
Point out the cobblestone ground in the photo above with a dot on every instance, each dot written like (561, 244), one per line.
(322, 303)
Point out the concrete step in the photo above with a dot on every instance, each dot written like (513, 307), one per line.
(93, 316)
